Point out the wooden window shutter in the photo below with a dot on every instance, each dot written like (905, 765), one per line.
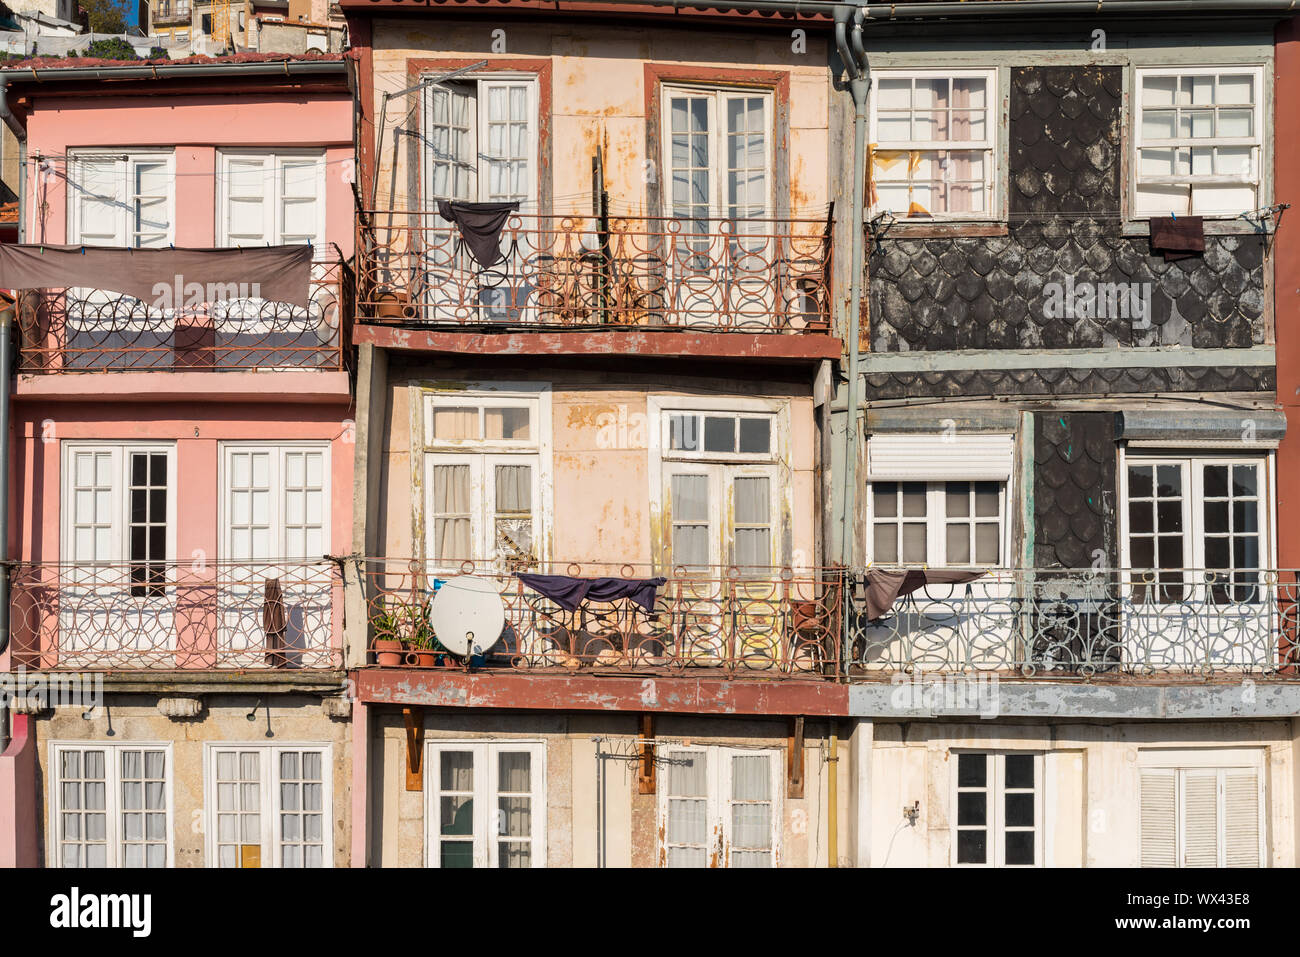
(1241, 818)
(1159, 818)
(1201, 818)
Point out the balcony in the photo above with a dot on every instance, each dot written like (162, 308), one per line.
(1043, 624)
(93, 330)
(168, 12)
(1085, 623)
(767, 276)
(773, 624)
(153, 616)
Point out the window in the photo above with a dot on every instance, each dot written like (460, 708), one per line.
(269, 806)
(998, 810)
(272, 198)
(481, 140)
(118, 509)
(720, 807)
(1208, 811)
(111, 805)
(718, 153)
(206, 21)
(276, 502)
(937, 523)
(485, 804)
(121, 200)
(1199, 141)
(482, 479)
(933, 134)
(722, 489)
(1188, 517)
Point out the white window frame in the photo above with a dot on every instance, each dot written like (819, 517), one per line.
(995, 807)
(270, 797)
(721, 469)
(1258, 143)
(1179, 763)
(1193, 499)
(121, 504)
(936, 523)
(719, 797)
(482, 455)
(486, 792)
(274, 162)
(719, 172)
(277, 480)
(483, 81)
(994, 157)
(113, 834)
(126, 160)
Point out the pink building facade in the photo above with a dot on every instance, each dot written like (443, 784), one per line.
(179, 475)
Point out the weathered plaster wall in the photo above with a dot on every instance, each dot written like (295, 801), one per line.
(598, 97)
(1090, 796)
(293, 719)
(630, 820)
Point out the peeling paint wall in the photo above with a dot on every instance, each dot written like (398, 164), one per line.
(134, 718)
(594, 93)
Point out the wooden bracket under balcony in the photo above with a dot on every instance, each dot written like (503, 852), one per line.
(645, 775)
(414, 718)
(794, 759)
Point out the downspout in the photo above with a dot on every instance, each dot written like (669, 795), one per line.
(848, 42)
(6, 363)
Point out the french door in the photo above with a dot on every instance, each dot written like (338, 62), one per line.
(720, 807)
(485, 804)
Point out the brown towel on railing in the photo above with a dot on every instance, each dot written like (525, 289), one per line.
(480, 225)
(884, 587)
(1178, 237)
(280, 273)
(275, 624)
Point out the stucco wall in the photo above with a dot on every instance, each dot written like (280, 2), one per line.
(577, 806)
(293, 719)
(1091, 794)
(598, 93)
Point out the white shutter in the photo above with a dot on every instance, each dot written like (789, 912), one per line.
(96, 533)
(101, 212)
(1241, 813)
(299, 196)
(1159, 818)
(247, 213)
(1201, 817)
(937, 456)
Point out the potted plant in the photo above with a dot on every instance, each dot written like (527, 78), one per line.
(422, 642)
(387, 643)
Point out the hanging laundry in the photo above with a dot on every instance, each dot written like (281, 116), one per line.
(1178, 237)
(884, 587)
(569, 592)
(480, 226)
(275, 624)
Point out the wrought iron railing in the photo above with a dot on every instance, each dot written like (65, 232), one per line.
(148, 616)
(1052, 623)
(93, 330)
(779, 623)
(752, 275)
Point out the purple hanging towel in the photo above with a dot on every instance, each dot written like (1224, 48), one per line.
(569, 592)
(480, 225)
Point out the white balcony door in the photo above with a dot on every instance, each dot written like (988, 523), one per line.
(269, 806)
(1196, 536)
(485, 804)
(275, 522)
(117, 600)
(1202, 817)
(720, 807)
(719, 160)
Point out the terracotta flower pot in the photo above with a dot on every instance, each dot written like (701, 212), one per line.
(424, 658)
(388, 652)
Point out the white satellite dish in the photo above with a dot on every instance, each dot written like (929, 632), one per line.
(467, 615)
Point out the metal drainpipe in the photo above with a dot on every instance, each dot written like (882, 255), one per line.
(6, 361)
(848, 41)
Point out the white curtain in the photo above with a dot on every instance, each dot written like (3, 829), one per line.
(451, 506)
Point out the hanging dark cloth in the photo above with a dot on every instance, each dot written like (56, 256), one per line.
(277, 273)
(480, 226)
(275, 624)
(884, 587)
(1180, 237)
(569, 593)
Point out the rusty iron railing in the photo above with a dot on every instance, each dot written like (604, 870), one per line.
(774, 623)
(752, 275)
(1084, 623)
(149, 616)
(93, 330)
